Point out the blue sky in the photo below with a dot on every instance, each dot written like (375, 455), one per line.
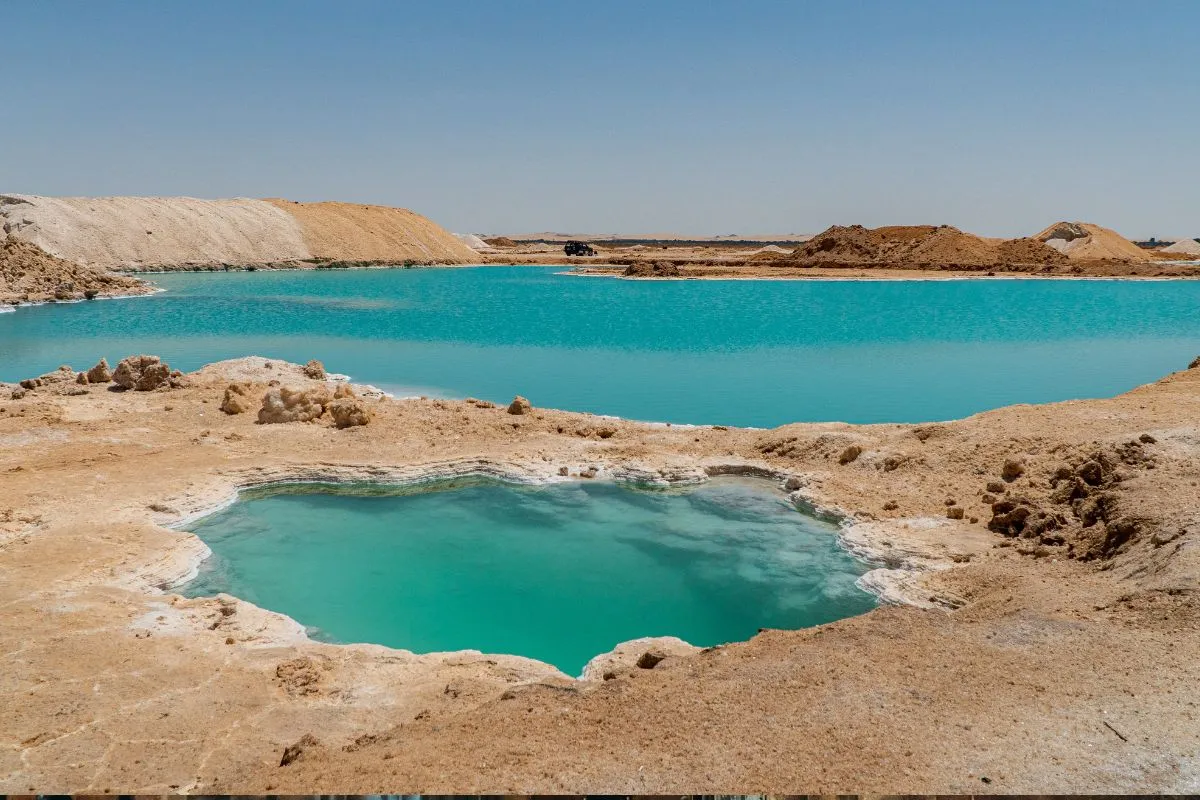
(701, 118)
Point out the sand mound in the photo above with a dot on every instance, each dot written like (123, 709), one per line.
(474, 242)
(500, 241)
(29, 274)
(1085, 241)
(354, 232)
(113, 232)
(919, 244)
(1187, 247)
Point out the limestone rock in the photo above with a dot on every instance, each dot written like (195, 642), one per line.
(1012, 470)
(295, 751)
(343, 391)
(349, 412)
(519, 406)
(237, 398)
(850, 454)
(315, 370)
(292, 405)
(81, 378)
(100, 373)
(1195, 363)
(143, 373)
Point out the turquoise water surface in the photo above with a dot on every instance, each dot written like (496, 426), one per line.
(733, 352)
(559, 573)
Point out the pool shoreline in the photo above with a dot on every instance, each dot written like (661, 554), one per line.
(990, 614)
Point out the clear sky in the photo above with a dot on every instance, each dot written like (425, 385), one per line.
(681, 115)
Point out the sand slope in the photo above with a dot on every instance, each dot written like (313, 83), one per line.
(354, 232)
(150, 232)
(1085, 241)
(154, 231)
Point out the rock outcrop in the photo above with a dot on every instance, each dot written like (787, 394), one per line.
(285, 404)
(315, 369)
(237, 399)
(28, 274)
(144, 373)
(348, 413)
(520, 406)
(100, 373)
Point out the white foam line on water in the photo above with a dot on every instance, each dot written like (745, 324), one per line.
(875, 279)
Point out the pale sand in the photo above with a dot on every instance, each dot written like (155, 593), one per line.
(1009, 660)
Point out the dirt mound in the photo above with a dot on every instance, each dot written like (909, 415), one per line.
(919, 245)
(113, 232)
(1084, 241)
(29, 274)
(647, 269)
(354, 232)
(500, 241)
(1186, 247)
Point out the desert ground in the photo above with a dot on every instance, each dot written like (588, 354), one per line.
(1041, 564)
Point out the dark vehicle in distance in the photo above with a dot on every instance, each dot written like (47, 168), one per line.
(578, 249)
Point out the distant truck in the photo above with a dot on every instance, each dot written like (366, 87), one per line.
(578, 249)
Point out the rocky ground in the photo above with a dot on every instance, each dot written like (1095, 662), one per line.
(30, 275)
(1049, 638)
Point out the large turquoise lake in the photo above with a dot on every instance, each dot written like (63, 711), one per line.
(559, 573)
(757, 353)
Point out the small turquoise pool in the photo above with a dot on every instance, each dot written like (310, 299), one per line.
(558, 573)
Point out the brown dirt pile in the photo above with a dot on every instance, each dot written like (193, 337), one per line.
(1083, 241)
(354, 232)
(920, 245)
(29, 274)
(500, 241)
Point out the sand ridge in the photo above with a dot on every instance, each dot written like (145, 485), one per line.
(1061, 657)
(140, 233)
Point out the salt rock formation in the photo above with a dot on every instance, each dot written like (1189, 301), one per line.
(100, 373)
(315, 370)
(62, 375)
(520, 406)
(293, 405)
(237, 398)
(144, 373)
(349, 412)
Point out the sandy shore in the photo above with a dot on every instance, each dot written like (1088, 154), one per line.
(1043, 560)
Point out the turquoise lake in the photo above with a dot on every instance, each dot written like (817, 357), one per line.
(757, 353)
(559, 573)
